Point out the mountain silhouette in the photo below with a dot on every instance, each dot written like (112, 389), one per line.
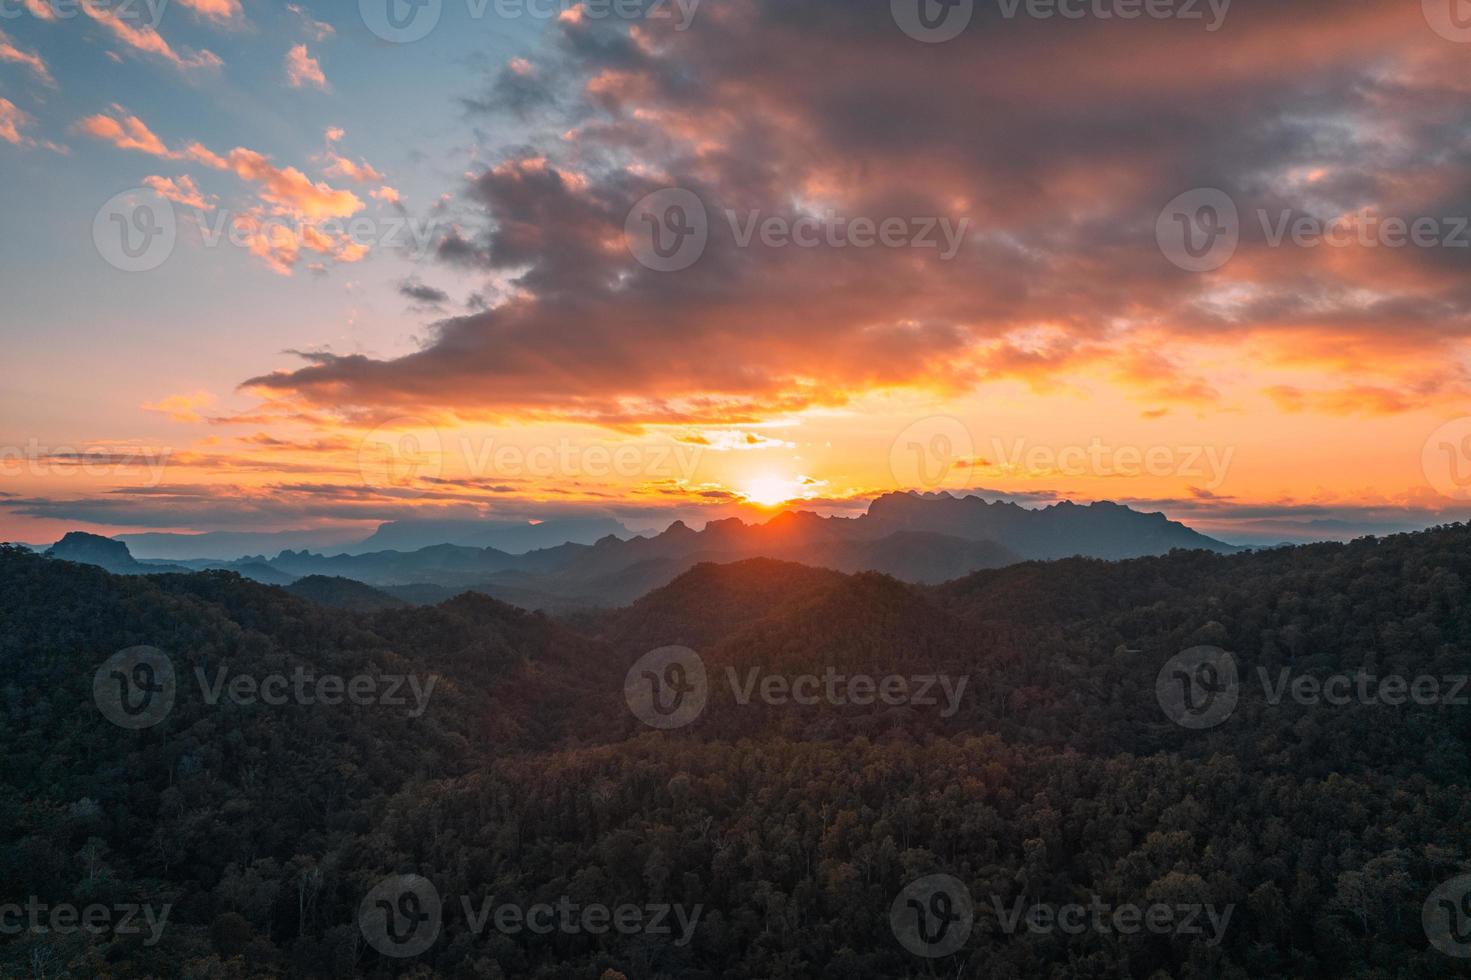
(922, 539)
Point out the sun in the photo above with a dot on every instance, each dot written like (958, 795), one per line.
(769, 491)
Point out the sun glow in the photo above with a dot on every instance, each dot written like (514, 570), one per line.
(769, 491)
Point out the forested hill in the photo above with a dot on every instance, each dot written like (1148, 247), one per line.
(264, 763)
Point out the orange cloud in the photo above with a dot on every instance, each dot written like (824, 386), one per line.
(290, 188)
(129, 133)
(40, 9)
(149, 41)
(183, 407)
(180, 191)
(219, 10)
(12, 120)
(9, 52)
(302, 69)
(363, 173)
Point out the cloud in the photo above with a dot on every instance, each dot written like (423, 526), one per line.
(315, 29)
(183, 407)
(1061, 177)
(12, 121)
(128, 133)
(181, 191)
(302, 69)
(223, 11)
(40, 9)
(285, 187)
(293, 207)
(422, 293)
(147, 40)
(9, 52)
(292, 189)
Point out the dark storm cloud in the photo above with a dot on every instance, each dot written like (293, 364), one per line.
(1059, 141)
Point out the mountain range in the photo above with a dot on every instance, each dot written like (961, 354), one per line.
(1057, 776)
(513, 537)
(923, 539)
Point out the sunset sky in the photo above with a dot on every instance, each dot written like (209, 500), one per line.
(405, 274)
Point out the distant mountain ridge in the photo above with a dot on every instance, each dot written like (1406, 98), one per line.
(412, 534)
(924, 539)
(1102, 529)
